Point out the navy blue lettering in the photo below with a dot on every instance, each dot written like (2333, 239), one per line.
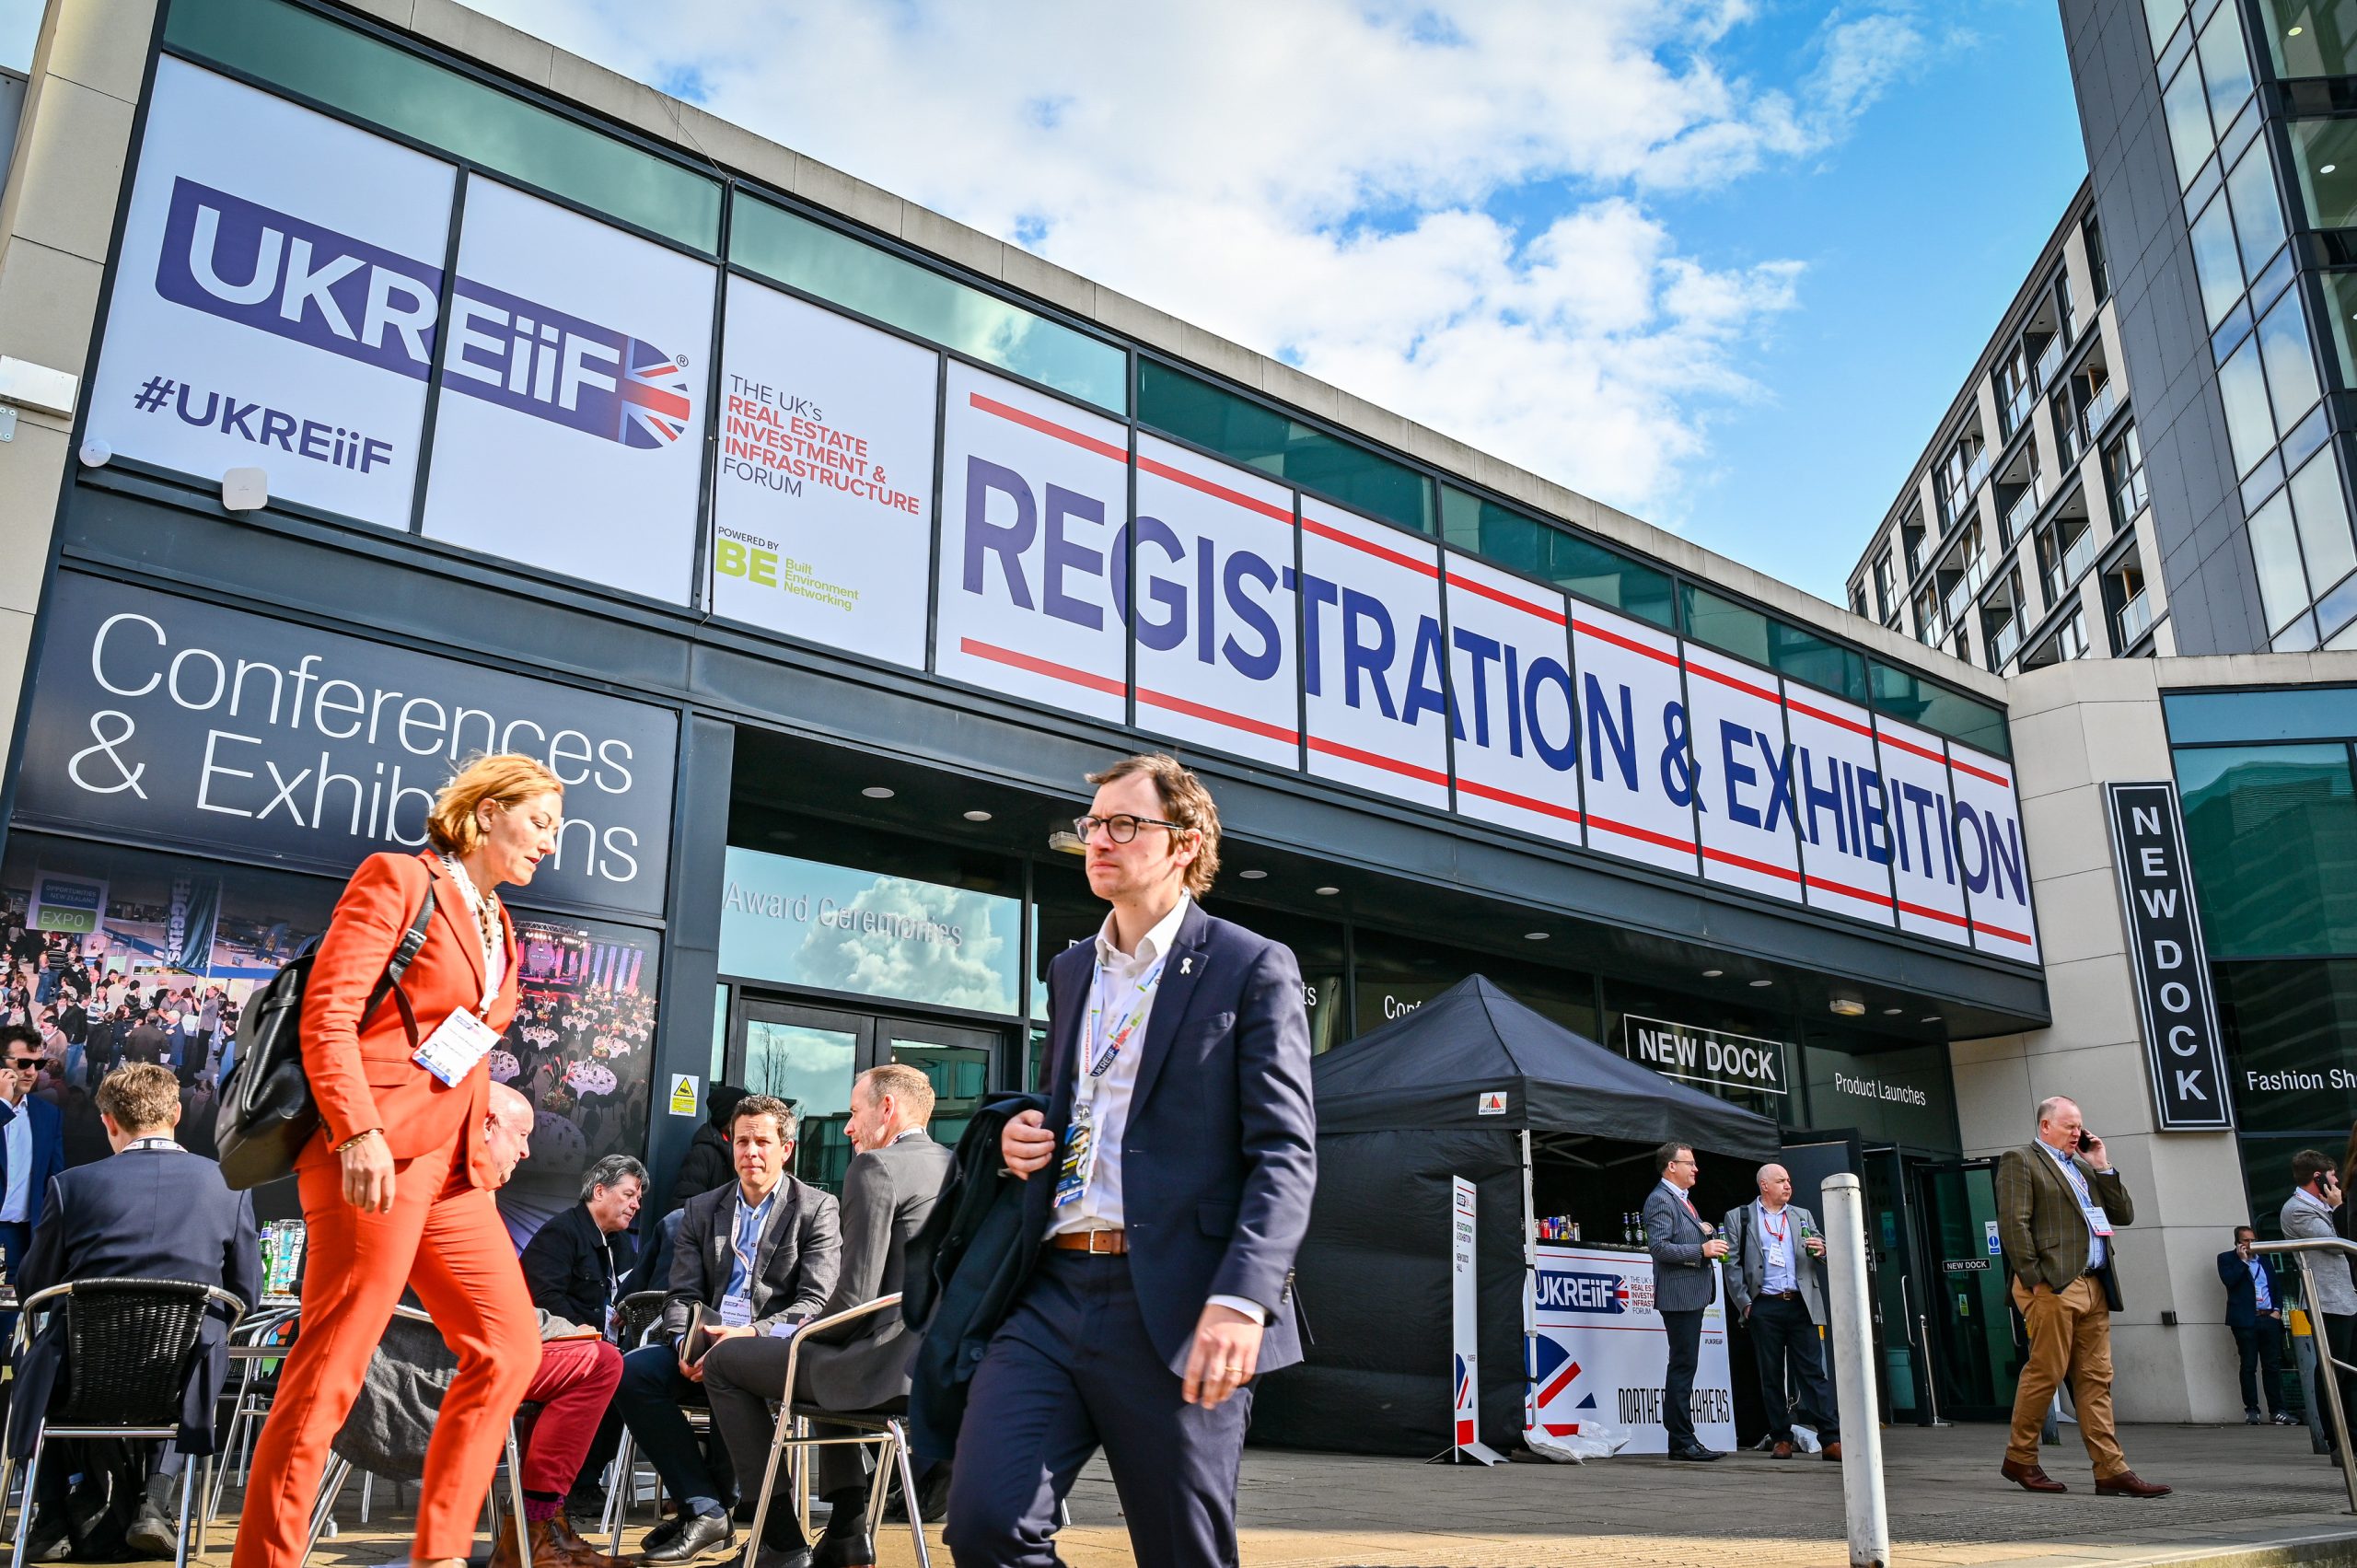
(1814, 799)
(1206, 600)
(1977, 880)
(1258, 665)
(1732, 735)
(1060, 555)
(1513, 700)
(1005, 540)
(279, 427)
(1373, 659)
(1171, 630)
(1315, 591)
(2005, 857)
(1544, 671)
(1484, 652)
(1874, 803)
(1778, 760)
(1602, 734)
(1680, 775)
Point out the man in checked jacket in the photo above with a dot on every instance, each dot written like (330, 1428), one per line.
(2059, 1200)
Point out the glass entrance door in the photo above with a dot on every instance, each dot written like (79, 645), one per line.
(1898, 1299)
(1975, 1350)
(808, 1055)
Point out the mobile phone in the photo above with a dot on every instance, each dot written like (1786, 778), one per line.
(2086, 1139)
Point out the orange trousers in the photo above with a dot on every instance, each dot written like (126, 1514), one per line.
(443, 1238)
(2069, 1337)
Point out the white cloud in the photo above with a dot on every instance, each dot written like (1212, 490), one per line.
(1443, 210)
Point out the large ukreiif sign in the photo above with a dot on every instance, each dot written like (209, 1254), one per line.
(281, 300)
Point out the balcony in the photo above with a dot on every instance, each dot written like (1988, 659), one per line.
(2049, 362)
(2135, 618)
(2024, 507)
(2014, 412)
(1960, 592)
(2002, 645)
(2098, 412)
(1954, 503)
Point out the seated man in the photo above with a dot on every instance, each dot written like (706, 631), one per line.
(574, 1266)
(573, 1390)
(896, 1176)
(154, 1211)
(762, 1253)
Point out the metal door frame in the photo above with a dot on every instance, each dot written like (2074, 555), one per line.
(1923, 1167)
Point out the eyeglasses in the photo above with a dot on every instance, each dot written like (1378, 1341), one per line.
(1123, 827)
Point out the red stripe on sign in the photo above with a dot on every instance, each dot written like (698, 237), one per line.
(1634, 646)
(1328, 530)
(1827, 885)
(1961, 766)
(1643, 835)
(1929, 913)
(1766, 868)
(1049, 427)
(1508, 797)
(2021, 936)
(1554, 617)
(1217, 491)
(1216, 715)
(1924, 751)
(1372, 760)
(1852, 725)
(1054, 671)
(1560, 1381)
(1464, 1432)
(1707, 673)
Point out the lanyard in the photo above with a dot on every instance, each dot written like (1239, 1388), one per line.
(1109, 1047)
(1777, 1230)
(486, 929)
(2078, 1182)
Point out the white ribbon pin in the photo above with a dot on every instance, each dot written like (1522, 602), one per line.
(1187, 966)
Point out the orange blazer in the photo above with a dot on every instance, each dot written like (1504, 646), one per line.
(365, 1078)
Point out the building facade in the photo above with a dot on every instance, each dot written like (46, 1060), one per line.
(388, 386)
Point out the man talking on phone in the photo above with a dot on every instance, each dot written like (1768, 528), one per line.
(1167, 1189)
(2059, 1200)
(2307, 1215)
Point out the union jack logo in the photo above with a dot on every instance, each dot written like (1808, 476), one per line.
(655, 403)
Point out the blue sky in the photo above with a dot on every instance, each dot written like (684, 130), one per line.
(1720, 263)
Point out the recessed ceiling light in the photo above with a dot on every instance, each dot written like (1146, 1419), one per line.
(1933, 1019)
(2294, 33)
(978, 816)
(1254, 875)
(1712, 974)
(1892, 1012)
(876, 792)
(1847, 1007)
(1758, 983)
(1535, 936)
(1326, 892)
(2328, 168)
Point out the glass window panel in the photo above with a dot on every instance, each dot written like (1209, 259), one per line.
(2215, 261)
(2272, 834)
(304, 52)
(811, 257)
(2275, 550)
(1262, 437)
(2259, 211)
(1906, 695)
(2161, 18)
(1505, 536)
(1610, 578)
(2243, 387)
(2324, 155)
(2303, 713)
(2291, 368)
(2186, 109)
(2341, 300)
(2224, 65)
(1722, 623)
(2321, 509)
(1804, 656)
(2311, 38)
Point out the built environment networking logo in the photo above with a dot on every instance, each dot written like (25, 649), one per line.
(278, 273)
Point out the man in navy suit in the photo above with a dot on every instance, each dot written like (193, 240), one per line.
(33, 1146)
(1169, 1189)
(154, 1211)
(2255, 1315)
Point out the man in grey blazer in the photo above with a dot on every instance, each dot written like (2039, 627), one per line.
(896, 1177)
(2307, 1215)
(1685, 1280)
(1775, 1275)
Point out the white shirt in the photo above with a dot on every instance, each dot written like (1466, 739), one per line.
(1100, 1205)
(2096, 1249)
(1775, 1252)
(16, 1203)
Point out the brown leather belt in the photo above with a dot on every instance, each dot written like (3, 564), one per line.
(1103, 1242)
(1780, 1295)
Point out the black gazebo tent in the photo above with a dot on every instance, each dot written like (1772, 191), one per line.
(1400, 1112)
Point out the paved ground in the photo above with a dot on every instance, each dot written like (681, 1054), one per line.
(2246, 1496)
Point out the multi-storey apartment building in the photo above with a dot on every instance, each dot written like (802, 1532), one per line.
(2023, 537)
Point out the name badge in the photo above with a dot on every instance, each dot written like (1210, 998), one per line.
(2097, 1221)
(1080, 1157)
(451, 1051)
(735, 1311)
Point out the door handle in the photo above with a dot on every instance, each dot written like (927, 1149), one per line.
(1907, 1311)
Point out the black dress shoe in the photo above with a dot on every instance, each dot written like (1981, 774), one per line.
(689, 1537)
(1696, 1453)
(150, 1535)
(847, 1549)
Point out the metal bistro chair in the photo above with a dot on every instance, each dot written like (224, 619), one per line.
(412, 1342)
(252, 1402)
(636, 1315)
(886, 1430)
(130, 1345)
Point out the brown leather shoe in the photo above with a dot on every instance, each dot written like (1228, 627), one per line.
(1783, 1450)
(1833, 1452)
(572, 1550)
(2029, 1477)
(2128, 1484)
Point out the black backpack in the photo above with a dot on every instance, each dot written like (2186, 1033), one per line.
(267, 1112)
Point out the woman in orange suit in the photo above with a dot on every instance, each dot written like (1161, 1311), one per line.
(397, 1185)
